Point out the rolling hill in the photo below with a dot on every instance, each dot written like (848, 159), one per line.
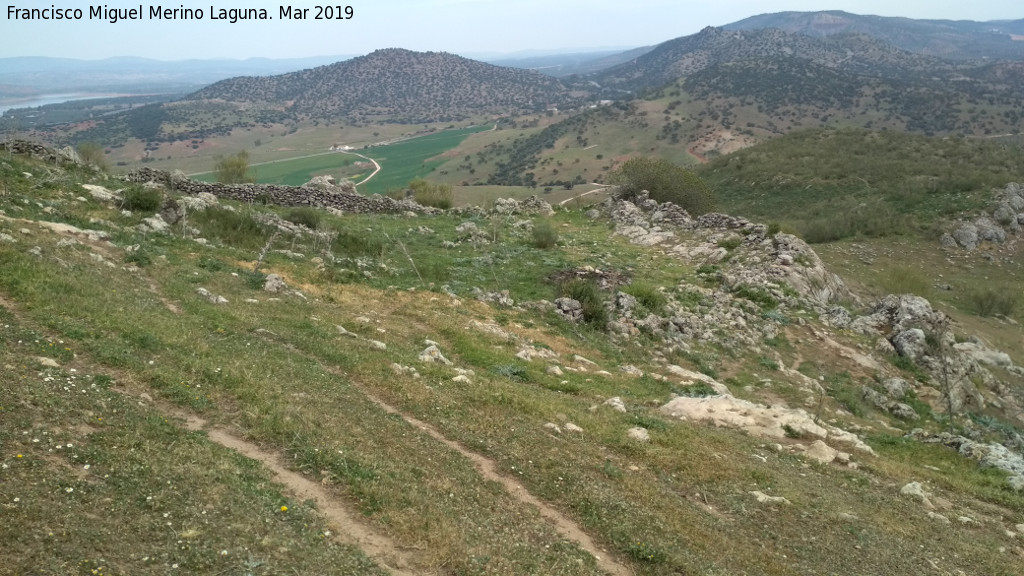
(397, 85)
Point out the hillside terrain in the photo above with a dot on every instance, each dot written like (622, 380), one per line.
(194, 383)
(954, 40)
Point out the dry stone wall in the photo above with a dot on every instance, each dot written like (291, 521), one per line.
(318, 193)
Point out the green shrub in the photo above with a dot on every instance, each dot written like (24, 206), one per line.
(92, 153)
(355, 244)
(991, 301)
(544, 234)
(665, 181)
(308, 217)
(430, 194)
(587, 294)
(730, 244)
(138, 199)
(647, 296)
(511, 371)
(757, 295)
(233, 169)
(233, 228)
(695, 390)
(140, 258)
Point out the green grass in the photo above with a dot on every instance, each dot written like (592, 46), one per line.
(278, 373)
(830, 184)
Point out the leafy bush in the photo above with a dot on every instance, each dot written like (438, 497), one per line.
(430, 194)
(308, 217)
(665, 181)
(138, 199)
(233, 169)
(544, 234)
(92, 153)
(991, 301)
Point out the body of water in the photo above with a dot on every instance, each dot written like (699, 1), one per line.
(46, 99)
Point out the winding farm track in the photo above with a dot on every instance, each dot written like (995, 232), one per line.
(375, 164)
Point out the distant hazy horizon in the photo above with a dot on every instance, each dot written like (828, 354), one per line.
(465, 27)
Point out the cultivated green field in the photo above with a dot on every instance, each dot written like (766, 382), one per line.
(300, 170)
(412, 159)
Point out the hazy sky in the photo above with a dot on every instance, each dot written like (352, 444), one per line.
(471, 27)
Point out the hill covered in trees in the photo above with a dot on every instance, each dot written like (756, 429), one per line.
(961, 39)
(397, 85)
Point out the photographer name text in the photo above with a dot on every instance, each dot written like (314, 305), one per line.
(181, 13)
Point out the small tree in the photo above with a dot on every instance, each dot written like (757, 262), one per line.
(233, 169)
(92, 153)
(665, 181)
(938, 347)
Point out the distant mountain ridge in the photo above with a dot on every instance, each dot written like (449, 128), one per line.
(398, 85)
(951, 39)
(852, 53)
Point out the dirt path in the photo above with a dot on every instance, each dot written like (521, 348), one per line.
(375, 164)
(602, 188)
(489, 470)
(344, 524)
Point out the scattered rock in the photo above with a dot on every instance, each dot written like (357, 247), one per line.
(967, 236)
(462, 379)
(404, 370)
(570, 427)
(758, 420)
(938, 517)
(433, 354)
(821, 452)
(154, 224)
(581, 360)
(48, 362)
(766, 499)
(632, 370)
(916, 490)
(553, 427)
(555, 370)
(896, 387)
(275, 284)
(638, 434)
(570, 309)
(102, 194)
(212, 298)
(616, 403)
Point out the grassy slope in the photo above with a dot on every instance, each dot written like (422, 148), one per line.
(278, 373)
(828, 184)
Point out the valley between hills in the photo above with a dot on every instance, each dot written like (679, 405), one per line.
(742, 302)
